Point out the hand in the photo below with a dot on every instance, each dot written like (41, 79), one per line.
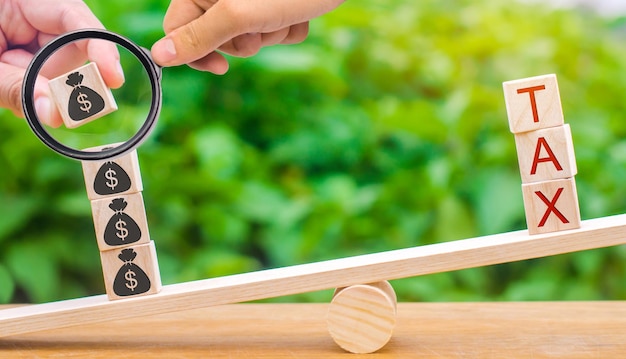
(195, 29)
(26, 25)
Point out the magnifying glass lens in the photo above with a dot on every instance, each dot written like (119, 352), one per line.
(105, 92)
(89, 111)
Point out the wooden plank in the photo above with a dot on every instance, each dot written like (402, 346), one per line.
(448, 256)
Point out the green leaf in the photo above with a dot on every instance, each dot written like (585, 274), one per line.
(7, 286)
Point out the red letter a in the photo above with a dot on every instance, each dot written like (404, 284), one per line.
(551, 157)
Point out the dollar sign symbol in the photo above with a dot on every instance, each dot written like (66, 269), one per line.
(131, 282)
(111, 179)
(83, 100)
(122, 232)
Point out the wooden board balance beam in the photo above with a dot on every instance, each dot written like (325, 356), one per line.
(402, 263)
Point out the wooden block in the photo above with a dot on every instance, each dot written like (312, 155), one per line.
(546, 154)
(113, 177)
(131, 271)
(120, 221)
(82, 96)
(361, 318)
(551, 206)
(533, 103)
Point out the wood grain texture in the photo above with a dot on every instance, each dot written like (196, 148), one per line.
(120, 221)
(91, 85)
(551, 206)
(448, 256)
(533, 103)
(131, 272)
(113, 177)
(568, 330)
(547, 154)
(361, 317)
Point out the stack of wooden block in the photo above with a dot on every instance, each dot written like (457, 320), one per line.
(114, 188)
(545, 154)
(128, 255)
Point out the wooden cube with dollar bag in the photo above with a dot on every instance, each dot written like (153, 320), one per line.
(111, 178)
(131, 271)
(127, 254)
(120, 221)
(81, 96)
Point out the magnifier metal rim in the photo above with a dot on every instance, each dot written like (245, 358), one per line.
(28, 91)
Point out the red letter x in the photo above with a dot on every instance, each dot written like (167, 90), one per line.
(533, 102)
(551, 207)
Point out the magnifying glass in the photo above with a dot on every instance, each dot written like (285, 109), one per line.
(134, 107)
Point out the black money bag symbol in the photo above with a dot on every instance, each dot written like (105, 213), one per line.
(111, 179)
(130, 279)
(84, 102)
(121, 229)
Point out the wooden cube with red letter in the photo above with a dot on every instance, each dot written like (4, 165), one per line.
(533, 103)
(551, 205)
(546, 154)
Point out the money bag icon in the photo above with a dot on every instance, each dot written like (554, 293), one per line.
(130, 279)
(121, 228)
(111, 179)
(84, 102)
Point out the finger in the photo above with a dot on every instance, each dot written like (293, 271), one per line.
(248, 44)
(227, 19)
(53, 17)
(297, 33)
(213, 62)
(181, 12)
(47, 112)
(199, 37)
(16, 57)
(243, 45)
(67, 58)
(20, 59)
(275, 37)
(104, 53)
(57, 17)
(11, 95)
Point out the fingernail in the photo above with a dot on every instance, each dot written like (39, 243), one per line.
(164, 50)
(120, 71)
(42, 106)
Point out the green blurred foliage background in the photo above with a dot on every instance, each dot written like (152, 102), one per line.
(386, 129)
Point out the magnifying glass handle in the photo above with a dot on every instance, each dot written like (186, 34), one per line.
(158, 69)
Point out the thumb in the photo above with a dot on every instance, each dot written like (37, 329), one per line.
(11, 95)
(199, 37)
